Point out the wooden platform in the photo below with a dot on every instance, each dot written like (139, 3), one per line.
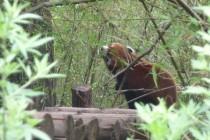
(72, 123)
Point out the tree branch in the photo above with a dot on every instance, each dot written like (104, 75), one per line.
(147, 94)
(164, 42)
(191, 12)
(188, 9)
(52, 3)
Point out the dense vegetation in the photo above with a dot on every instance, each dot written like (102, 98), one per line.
(82, 29)
(167, 27)
(191, 119)
(17, 46)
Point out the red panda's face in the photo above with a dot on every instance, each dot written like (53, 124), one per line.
(117, 56)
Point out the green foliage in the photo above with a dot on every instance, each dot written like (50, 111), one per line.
(191, 120)
(16, 45)
(80, 30)
(169, 124)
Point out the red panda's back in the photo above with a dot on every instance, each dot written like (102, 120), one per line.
(141, 79)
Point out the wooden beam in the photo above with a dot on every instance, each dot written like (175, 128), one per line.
(90, 110)
(105, 121)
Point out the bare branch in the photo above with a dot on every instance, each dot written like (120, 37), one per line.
(133, 90)
(52, 3)
(191, 12)
(147, 94)
(164, 42)
(188, 9)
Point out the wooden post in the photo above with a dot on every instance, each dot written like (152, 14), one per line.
(47, 125)
(81, 96)
(69, 127)
(79, 131)
(120, 131)
(92, 131)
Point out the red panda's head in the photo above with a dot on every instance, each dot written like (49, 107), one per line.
(117, 56)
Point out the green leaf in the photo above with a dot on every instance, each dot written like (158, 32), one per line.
(36, 41)
(31, 93)
(200, 64)
(154, 119)
(54, 75)
(36, 52)
(32, 121)
(11, 87)
(39, 134)
(205, 36)
(155, 75)
(196, 134)
(27, 69)
(7, 5)
(25, 16)
(206, 80)
(196, 90)
(205, 9)
(28, 136)
(202, 50)
(15, 46)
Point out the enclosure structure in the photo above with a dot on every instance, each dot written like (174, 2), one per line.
(72, 123)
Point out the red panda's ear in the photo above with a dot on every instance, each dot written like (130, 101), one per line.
(130, 49)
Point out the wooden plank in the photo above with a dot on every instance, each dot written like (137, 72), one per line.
(60, 128)
(92, 131)
(91, 110)
(120, 131)
(69, 127)
(79, 132)
(106, 121)
(86, 117)
(47, 125)
(61, 115)
(57, 138)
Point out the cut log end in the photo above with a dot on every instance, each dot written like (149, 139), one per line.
(81, 96)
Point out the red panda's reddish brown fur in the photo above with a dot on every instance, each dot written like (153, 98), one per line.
(139, 79)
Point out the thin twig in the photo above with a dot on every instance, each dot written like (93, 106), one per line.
(120, 89)
(134, 131)
(164, 42)
(147, 94)
(191, 12)
(134, 90)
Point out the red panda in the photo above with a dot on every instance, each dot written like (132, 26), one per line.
(138, 82)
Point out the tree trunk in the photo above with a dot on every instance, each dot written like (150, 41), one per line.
(45, 26)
